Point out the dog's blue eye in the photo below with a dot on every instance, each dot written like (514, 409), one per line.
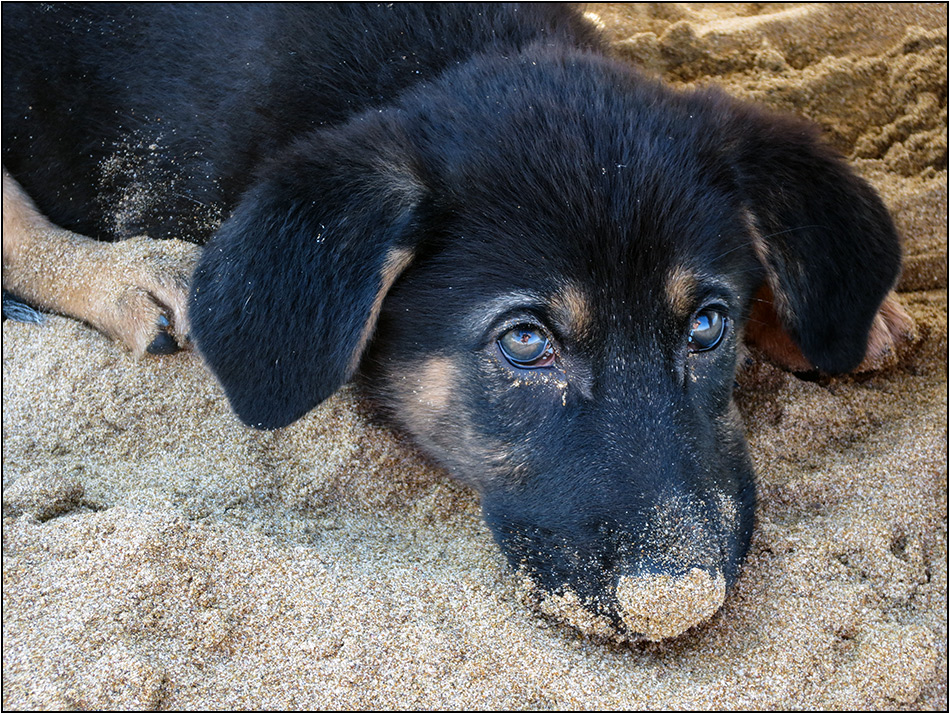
(527, 347)
(706, 330)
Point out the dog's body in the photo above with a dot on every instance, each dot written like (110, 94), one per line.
(541, 263)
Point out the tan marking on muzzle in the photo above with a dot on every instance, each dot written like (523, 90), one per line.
(660, 606)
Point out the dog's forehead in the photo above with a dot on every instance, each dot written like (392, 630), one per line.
(617, 253)
(602, 213)
(571, 128)
(622, 213)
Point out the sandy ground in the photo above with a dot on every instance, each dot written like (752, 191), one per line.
(156, 554)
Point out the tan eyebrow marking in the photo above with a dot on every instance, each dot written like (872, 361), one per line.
(572, 308)
(681, 288)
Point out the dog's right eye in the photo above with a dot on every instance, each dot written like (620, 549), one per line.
(527, 347)
(707, 329)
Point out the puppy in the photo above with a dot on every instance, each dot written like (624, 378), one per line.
(541, 263)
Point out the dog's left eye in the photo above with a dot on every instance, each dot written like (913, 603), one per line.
(527, 347)
(707, 329)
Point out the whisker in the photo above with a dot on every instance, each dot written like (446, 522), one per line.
(792, 230)
(190, 198)
(734, 248)
(765, 237)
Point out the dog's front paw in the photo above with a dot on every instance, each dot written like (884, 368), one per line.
(142, 302)
(135, 290)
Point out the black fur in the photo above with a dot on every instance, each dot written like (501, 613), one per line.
(514, 163)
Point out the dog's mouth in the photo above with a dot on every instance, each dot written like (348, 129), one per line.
(652, 606)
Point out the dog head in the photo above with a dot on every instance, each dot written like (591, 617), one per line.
(543, 265)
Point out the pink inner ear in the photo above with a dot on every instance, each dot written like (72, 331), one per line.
(765, 333)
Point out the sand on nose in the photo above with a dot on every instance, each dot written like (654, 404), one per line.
(651, 606)
(659, 606)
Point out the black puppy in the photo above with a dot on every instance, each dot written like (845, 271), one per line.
(541, 262)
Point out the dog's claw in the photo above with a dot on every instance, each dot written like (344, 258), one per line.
(164, 343)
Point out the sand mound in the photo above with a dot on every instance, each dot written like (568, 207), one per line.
(156, 554)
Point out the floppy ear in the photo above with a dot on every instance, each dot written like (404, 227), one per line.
(828, 245)
(287, 293)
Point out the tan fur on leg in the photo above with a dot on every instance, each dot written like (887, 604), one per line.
(121, 289)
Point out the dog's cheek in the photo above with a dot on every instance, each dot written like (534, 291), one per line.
(423, 394)
(430, 399)
(711, 377)
(737, 487)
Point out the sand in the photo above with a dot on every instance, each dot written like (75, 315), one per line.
(157, 554)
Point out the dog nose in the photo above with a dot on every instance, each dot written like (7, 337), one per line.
(659, 605)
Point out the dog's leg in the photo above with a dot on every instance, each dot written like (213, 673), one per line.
(135, 290)
(892, 331)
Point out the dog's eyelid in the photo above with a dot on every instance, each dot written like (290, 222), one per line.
(714, 304)
(524, 316)
(486, 319)
(715, 295)
(497, 316)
